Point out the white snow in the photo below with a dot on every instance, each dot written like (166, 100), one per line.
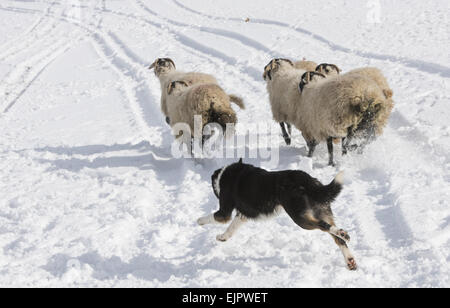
(90, 194)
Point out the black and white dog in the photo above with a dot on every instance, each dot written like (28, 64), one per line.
(254, 192)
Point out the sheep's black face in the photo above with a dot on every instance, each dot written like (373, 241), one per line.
(162, 66)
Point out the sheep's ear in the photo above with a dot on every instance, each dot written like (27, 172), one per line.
(170, 87)
(240, 161)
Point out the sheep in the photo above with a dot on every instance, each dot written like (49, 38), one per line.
(371, 72)
(165, 70)
(345, 106)
(377, 76)
(281, 91)
(207, 100)
(305, 65)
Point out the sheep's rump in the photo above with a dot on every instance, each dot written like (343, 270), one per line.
(191, 78)
(377, 76)
(333, 106)
(208, 101)
(212, 104)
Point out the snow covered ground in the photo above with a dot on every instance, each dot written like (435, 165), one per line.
(90, 194)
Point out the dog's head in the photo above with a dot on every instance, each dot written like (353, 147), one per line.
(162, 66)
(328, 69)
(217, 176)
(175, 87)
(275, 66)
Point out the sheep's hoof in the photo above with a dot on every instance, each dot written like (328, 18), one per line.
(351, 264)
(287, 140)
(332, 164)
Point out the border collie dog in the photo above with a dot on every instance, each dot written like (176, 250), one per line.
(254, 192)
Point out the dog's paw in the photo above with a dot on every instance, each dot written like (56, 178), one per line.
(351, 264)
(343, 235)
(201, 221)
(222, 237)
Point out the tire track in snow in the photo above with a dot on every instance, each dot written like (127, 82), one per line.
(131, 71)
(254, 73)
(41, 28)
(15, 84)
(24, 74)
(423, 66)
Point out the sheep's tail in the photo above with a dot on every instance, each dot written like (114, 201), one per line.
(328, 193)
(388, 93)
(220, 114)
(237, 100)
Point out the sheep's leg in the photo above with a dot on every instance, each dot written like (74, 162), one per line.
(237, 222)
(344, 146)
(330, 151)
(312, 147)
(286, 136)
(168, 120)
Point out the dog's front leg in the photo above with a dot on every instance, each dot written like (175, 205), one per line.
(238, 221)
(207, 220)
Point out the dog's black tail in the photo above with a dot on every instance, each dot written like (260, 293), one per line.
(328, 193)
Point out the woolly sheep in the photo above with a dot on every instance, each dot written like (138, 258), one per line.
(207, 100)
(377, 76)
(166, 72)
(371, 72)
(305, 65)
(345, 106)
(283, 91)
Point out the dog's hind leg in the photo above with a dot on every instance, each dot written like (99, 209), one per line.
(348, 256)
(333, 230)
(237, 222)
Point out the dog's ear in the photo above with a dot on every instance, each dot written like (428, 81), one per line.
(153, 65)
(240, 161)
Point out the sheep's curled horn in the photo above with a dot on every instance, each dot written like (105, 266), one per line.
(322, 66)
(306, 78)
(172, 85)
(161, 61)
(269, 67)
